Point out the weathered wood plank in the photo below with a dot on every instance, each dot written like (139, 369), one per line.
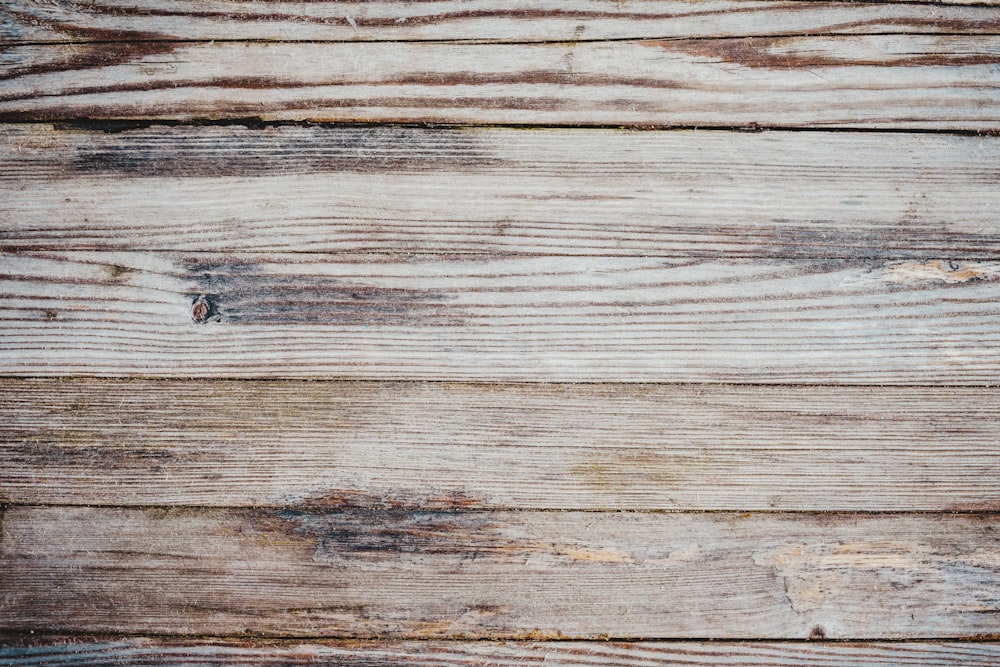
(35, 651)
(872, 81)
(499, 575)
(440, 445)
(520, 20)
(499, 319)
(475, 190)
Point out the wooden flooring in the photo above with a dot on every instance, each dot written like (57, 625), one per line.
(645, 333)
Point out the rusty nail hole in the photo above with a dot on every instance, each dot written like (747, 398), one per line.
(201, 309)
(817, 632)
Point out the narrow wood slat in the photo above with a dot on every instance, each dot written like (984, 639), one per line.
(499, 319)
(498, 575)
(521, 20)
(439, 445)
(873, 81)
(34, 651)
(474, 190)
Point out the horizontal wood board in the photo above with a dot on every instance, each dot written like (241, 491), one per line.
(478, 20)
(35, 651)
(481, 318)
(501, 191)
(948, 82)
(455, 446)
(471, 574)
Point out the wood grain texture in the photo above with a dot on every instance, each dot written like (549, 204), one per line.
(499, 575)
(34, 651)
(871, 81)
(481, 20)
(500, 319)
(454, 446)
(503, 191)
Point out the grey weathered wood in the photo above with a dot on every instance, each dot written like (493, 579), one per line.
(500, 319)
(474, 190)
(36, 651)
(521, 20)
(870, 81)
(499, 575)
(441, 445)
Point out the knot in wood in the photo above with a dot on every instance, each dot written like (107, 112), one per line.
(201, 309)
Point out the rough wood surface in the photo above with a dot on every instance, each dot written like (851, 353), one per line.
(504, 191)
(499, 574)
(439, 445)
(481, 20)
(34, 651)
(500, 319)
(871, 81)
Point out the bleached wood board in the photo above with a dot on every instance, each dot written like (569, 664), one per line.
(872, 81)
(453, 446)
(35, 651)
(498, 20)
(505, 191)
(480, 318)
(499, 574)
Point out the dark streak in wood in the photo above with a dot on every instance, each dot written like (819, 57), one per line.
(765, 52)
(235, 291)
(87, 56)
(379, 149)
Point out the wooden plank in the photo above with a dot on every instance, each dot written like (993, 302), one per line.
(499, 319)
(871, 81)
(520, 20)
(499, 575)
(453, 446)
(34, 651)
(557, 191)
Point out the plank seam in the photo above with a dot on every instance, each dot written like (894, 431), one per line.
(311, 639)
(509, 42)
(487, 510)
(112, 125)
(493, 383)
